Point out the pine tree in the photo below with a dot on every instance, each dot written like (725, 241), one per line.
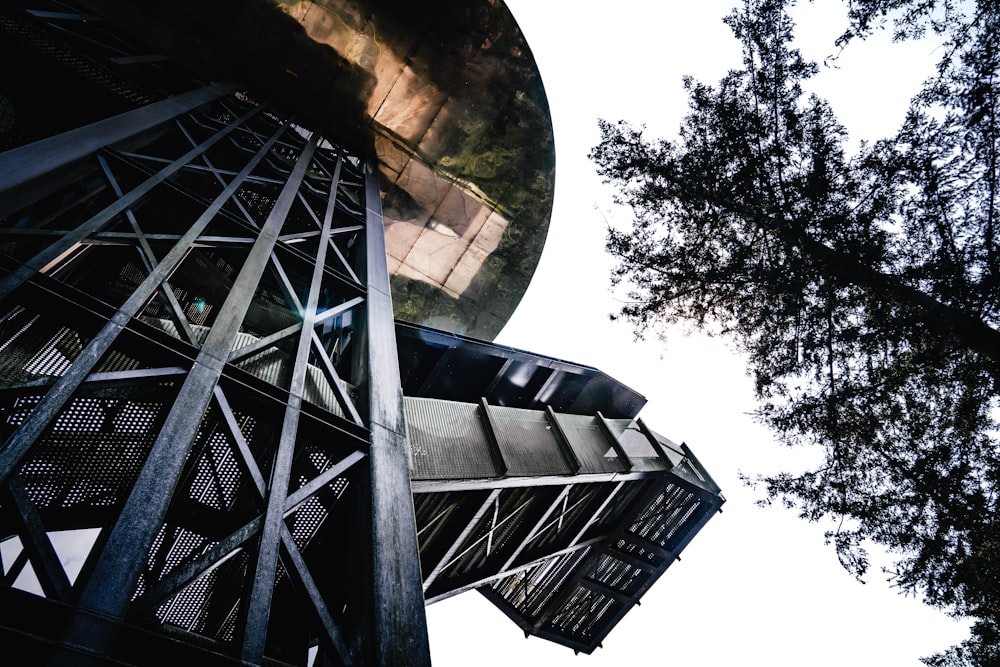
(864, 288)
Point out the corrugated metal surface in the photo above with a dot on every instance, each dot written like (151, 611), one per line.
(590, 444)
(447, 440)
(528, 442)
(632, 439)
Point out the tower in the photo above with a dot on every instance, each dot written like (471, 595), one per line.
(205, 395)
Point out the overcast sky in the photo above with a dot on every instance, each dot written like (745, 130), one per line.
(756, 586)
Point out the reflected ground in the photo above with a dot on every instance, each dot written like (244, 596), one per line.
(465, 148)
(453, 98)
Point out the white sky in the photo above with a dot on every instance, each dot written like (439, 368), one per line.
(756, 586)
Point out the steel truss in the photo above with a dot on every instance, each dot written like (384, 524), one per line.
(564, 521)
(205, 453)
(199, 366)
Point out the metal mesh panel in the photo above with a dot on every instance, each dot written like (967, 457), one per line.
(577, 598)
(34, 344)
(209, 604)
(89, 456)
(531, 590)
(617, 574)
(201, 499)
(206, 605)
(270, 365)
(639, 552)
(187, 607)
(258, 198)
(584, 610)
(313, 460)
(589, 442)
(665, 516)
(515, 589)
(92, 453)
(447, 440)
(217, 475)
(173, 547)
(528, 442)
(56, 354)
(305, 522)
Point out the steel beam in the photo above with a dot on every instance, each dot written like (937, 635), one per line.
(116, 570)
(26, 435)
(21, 165)
(259, 607)
(400, 622)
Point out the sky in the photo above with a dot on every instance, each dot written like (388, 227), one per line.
(757, 586)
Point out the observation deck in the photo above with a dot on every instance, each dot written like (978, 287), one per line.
(207, 215)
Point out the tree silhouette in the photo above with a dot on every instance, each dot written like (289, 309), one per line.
(863, 288)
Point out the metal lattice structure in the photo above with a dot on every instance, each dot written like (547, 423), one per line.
(188, 344)
(562, 520)
(206, 450)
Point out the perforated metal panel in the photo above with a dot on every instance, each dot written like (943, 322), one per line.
(34, 342)
(615, 574)
(92, 454)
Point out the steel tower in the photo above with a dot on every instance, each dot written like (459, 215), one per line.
(218, 443)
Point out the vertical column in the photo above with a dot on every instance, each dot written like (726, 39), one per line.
(400, 623)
